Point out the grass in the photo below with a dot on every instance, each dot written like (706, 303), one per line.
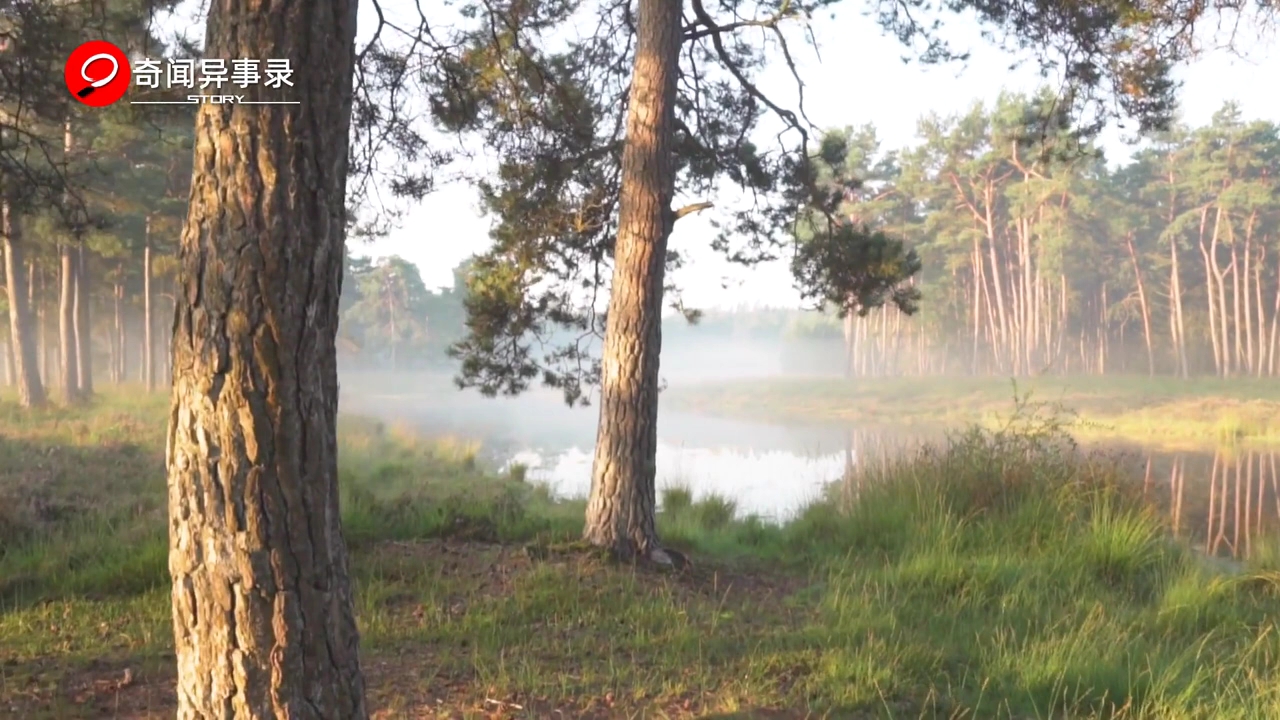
(999, 575)
(1164, 413)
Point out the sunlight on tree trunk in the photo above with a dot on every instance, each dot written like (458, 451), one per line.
(148, 320)
(262, 603)
(25, 370)
(84, 324)
(620, 510)
(66, 325)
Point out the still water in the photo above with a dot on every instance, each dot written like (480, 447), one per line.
(1222, 500)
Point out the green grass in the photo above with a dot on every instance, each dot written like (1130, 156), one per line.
(1000, 575)
(1161, 413)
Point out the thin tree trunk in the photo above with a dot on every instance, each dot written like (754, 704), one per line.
(1251, 359)
(1146, 311)
(998, 285)
(1175, 318)
(620, 509)
(8, 344)
(1275, 319)
(1237, 322)
(67, 365)
(148, 321)
(1219, 352)
(119, 370)
(262, 603)
(83, 326)
(847, 323)
(122, 330)
(1260, 311)
(35, 306)
(1220, 279)
(25, 368)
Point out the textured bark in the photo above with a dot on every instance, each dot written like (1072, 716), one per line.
(83, 325)
(620, 510)
(148, 319)
(67, 367)
(262, 608)
(25, 370)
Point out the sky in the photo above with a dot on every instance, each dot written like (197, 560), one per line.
(855, 77)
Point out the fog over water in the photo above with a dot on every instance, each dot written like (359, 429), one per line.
(1220, 499)
(768, 469)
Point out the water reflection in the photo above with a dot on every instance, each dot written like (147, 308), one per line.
(772, 484)
(1224, 501)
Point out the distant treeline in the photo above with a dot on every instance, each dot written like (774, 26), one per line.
(1038, 258)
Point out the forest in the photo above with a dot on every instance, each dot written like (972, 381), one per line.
(99, 300)
(205, 514)
(1034, 263)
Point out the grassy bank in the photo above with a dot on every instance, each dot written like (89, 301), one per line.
(1002, 576)
(1158, 412)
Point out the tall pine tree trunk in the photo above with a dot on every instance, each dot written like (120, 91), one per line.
(848, 343)
(68, 366)
(41, 319)
(620, 509)
(36, 311)
(8, 344)
(1175, 313)
(1146, 310)
(1260, 312)
(26, 371)
(84, 325)
(122, 352)
(148, 321)
(263, 617)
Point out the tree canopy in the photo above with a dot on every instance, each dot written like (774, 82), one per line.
(545, 86)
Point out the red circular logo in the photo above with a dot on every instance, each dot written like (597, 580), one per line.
(97, 73)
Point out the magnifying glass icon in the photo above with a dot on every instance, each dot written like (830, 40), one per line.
(95, 84)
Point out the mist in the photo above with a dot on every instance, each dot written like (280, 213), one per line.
(770, 469)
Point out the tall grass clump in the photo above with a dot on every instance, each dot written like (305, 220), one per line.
(1017, 576)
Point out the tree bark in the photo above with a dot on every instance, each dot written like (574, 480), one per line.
(83, 325)
(66, 325)
(26, 371)
(620, 509)
(262, 603)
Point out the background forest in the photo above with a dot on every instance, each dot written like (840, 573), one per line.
(1036, 261)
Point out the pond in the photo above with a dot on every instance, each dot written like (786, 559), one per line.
(1221, 499)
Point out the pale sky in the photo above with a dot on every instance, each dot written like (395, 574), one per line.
(858, 79)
